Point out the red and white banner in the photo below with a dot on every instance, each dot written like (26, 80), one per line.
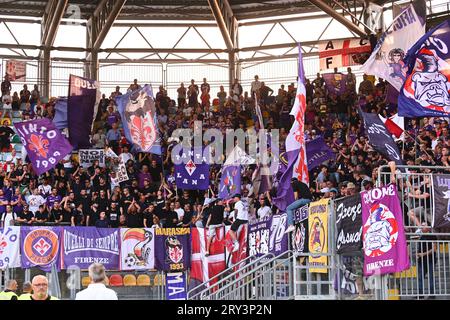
(204, 267)
(16, 70)
(343, 53)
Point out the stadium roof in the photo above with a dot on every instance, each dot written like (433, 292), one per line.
(176, 9)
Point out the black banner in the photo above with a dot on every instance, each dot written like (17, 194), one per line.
(349, 224)
(300, 234)
(441, 190)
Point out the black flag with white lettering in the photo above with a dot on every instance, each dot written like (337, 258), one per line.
(348, 224)
(379, 137)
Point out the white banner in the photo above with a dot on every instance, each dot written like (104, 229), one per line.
(386, 59)
(138, 249)
(343, 53)
(16, 70)
(120, 175)
(88, 156)
(9, 247)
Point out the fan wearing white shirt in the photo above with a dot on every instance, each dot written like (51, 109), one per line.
(126, 155)
(241, 214)
(97, 289)
(264, 211)
(8, 218)
(35, 200)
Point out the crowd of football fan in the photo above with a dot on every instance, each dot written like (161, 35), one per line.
(70, 194)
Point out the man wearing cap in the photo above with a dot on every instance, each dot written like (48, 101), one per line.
(241, 214)
(302, 196)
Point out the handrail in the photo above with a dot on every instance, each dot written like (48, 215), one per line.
(234, 273)
(259, 267)
(220, 274)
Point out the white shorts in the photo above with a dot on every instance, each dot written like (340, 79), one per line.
(212, 229)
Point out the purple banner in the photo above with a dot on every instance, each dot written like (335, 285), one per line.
(230, 182)
(82, 104)
(44, 143)
(173, 249)
(268, 235)
(83, 246)
(384, 242)
(193, 170)
(285, 194)
(317, 152)
(40, 247)
(335, 82)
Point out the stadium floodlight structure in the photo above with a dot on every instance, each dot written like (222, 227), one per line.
(229, 16)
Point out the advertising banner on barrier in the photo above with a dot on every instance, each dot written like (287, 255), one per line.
(318, 235)
(268, 236)
(300, 235)
(40, 247)
(176, 286)
(137, 249)
(384, 241)
(10, 247)
(173, 249)
(348, 224)
(83, 246)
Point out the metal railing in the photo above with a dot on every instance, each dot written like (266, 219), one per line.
(227, 276)
(270, 280)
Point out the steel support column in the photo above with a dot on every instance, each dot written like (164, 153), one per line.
(97, 28)
(54, 12)
(228, 25)
(321, 4)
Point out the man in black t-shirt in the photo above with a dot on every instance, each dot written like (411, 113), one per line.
(171, 217)
(41, 216)
(113, 215)
(148, 216)
(56, 213)
(215, 220)
(77, 217)
(26, 217)
(302, 196)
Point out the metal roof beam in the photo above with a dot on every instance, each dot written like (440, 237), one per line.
(225, 19)
(321, 4)
(102, 20)
(53, 14)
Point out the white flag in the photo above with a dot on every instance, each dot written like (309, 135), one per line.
(386, 59)
(9, 247)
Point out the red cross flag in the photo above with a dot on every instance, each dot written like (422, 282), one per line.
(343, 53)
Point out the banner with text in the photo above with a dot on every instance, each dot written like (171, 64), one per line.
(348, 224)
(88, 156)
(174, 249)
(318, 235)
(40, 247)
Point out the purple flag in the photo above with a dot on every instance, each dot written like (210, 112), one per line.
(426, 90)
(83, 246)
(82, 105)
(317, 152)
(173, 251)
(230, 182)
(335, 82)
(384, 242)
(45, 145)
(139, 119)
(40, 247)
(193, 171)
(60, 119)
(285, 194)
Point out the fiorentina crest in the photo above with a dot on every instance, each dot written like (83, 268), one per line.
(380, 232)
(174, 250)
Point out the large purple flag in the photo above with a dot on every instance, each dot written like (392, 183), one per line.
(173, 251)
(317, 152)
(192, 172)
(40, 247)
(285, 194)
(426, 90)
(335, 82)
(138, 113)
(82, 105)
(384, 241)
(45, 145)
(230, 182)
(83, 246)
